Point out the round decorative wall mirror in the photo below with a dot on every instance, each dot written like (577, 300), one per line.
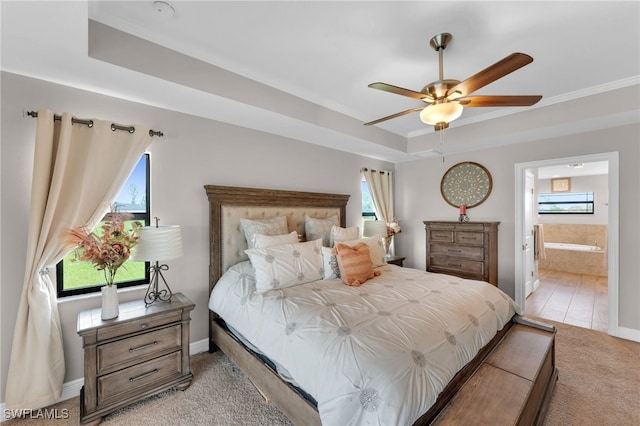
(466, 183)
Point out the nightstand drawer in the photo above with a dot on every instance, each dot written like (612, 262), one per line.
(112, 385)
(470, 238)
(473, 253)
(457, 264)
(122, 352)
(138, 325)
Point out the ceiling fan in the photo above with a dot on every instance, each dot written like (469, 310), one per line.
(446, 99)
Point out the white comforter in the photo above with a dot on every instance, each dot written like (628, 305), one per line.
(376, 354)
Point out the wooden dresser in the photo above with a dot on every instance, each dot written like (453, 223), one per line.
(144, 351)
(464, 249)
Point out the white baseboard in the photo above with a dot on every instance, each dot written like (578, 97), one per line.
(72, 389)
(627, 334)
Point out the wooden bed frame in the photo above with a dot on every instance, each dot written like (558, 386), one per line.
(510, 381)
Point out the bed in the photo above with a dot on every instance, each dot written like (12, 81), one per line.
(355, 356)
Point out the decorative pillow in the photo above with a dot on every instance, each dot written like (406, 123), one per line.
(264, 241)
(286, 265)
(343, 234)
(375, 249)
(319, 228)
(330, 268)
(355, 263)
(272, 226)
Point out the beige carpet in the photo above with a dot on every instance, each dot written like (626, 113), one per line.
(599, 384)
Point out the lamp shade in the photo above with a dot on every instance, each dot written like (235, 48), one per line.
(441, 113)
(158, 243)
(374, 227)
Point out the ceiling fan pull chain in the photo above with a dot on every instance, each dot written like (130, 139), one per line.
(442, 144)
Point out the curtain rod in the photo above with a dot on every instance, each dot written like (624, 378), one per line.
(364, 169)
(89, 123)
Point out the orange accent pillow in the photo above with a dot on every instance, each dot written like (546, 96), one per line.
(354, 263)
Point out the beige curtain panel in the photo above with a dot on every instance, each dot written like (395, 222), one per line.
(381, 188)
(77, 173)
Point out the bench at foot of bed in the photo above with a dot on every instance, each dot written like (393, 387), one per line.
(512, 386)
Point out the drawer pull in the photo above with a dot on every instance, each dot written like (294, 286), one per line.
(145, 375)
(139, 348)
(454, 251)
(453, 264)
(469, 238)
(143, 326)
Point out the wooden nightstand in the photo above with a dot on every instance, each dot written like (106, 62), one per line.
(395, 260)
(140, 353)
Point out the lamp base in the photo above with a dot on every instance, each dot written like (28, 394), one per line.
(154, 293)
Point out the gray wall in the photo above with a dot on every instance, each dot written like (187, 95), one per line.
(194, 152)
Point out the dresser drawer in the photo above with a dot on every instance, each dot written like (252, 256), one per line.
(442, 235)
(142, 324)
(457, 264)
(467, 252)
(140, 375)
(142, 346)
(476, 238)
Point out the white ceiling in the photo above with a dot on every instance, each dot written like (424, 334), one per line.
(314, 61)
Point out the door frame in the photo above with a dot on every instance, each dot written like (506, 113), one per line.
(612, 227)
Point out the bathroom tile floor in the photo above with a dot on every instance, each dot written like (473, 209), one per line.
(575, 299)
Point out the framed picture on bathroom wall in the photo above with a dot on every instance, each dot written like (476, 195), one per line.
(561, 185)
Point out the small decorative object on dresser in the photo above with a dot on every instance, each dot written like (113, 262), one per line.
(141, 353)
(467, 249)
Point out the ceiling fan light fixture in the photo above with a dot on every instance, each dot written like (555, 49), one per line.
(441, 113)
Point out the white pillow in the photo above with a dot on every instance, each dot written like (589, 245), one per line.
(319, 228)
(330, 267)
(263, 241)
(339, 234)
(272, 226)
(286, 265)
(375, 249)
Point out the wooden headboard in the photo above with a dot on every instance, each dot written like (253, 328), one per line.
(228, 204)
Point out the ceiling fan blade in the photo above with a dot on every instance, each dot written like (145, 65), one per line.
(492, 73)
(399, 114)
(499, 101)
(399, 91)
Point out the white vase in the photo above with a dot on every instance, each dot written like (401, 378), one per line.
(110, 305)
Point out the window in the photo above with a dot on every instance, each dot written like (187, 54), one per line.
(368, 210)
(82, 277)
(566, 203)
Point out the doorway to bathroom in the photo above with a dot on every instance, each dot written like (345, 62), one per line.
(566, 217)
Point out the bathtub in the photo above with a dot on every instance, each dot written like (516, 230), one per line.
(570, 246)
(574, 258)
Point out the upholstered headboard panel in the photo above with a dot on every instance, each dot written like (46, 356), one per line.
(234, 241)
(227, 205)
